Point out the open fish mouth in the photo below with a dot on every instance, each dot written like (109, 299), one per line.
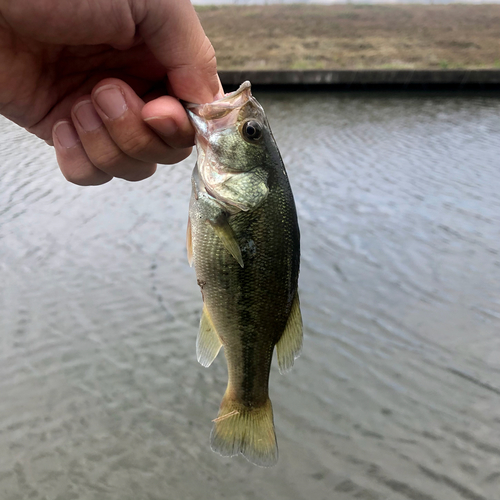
(232, 100)
(220, 114)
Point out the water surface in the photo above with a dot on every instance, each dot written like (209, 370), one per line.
(397, 393)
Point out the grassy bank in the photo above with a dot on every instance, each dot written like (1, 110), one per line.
(354, 36)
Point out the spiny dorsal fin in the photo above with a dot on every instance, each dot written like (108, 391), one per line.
(189, 243)
(289, 345)
(226, 234)
(208, 343)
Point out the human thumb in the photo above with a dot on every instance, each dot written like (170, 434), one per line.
(173, 32)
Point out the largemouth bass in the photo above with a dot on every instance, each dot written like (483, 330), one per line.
(243, 239)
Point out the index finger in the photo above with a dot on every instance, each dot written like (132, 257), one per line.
(173, 32)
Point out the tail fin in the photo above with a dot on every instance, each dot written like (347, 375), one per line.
(245, 430)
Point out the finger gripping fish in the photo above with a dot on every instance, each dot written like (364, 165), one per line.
(243, 239)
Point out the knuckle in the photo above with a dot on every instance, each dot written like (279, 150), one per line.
(84, 175)
(176, 155)
(207, 54)
(139, 175)
(73, 177)
(108, 159)
(138, 144)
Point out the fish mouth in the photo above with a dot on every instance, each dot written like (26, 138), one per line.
(220, 114)
(230, 101)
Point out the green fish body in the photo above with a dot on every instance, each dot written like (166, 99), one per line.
(243, 239)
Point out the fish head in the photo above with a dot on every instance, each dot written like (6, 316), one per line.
(235, 145)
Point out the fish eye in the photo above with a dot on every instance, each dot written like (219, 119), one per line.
(252, 130)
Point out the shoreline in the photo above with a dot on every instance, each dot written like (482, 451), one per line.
(465, 79)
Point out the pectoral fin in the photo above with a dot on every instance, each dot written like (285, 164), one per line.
(226, 234)
(189, 243)
(208, 343)
(289, 345)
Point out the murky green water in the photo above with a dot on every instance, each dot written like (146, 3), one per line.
(397, 393)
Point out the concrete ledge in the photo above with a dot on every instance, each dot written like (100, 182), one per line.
(459, 79)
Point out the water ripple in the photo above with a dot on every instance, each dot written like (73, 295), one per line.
(396, 393)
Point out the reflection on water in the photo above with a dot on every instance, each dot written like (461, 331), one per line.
(397, 393)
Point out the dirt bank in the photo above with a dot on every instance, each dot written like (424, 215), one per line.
(354, 36)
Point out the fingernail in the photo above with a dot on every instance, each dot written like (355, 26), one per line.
(87, 116)
(111, 101)
(66, 134)
(163, 124)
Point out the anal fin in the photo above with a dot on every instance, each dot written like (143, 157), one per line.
(289, 345)
(208, 343)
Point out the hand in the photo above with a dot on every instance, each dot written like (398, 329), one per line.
(90, 77)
